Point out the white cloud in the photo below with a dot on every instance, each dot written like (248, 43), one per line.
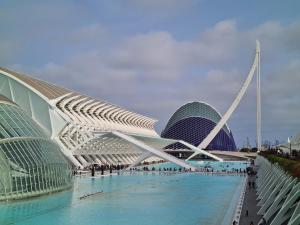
(164, 8)
(91, 34)
(8, 50)
(158, 55)
(152, 57)
(154, 73)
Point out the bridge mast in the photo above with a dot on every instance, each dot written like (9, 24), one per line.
(227, 115)
(258, 101)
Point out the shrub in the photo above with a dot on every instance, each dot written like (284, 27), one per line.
(289, 165)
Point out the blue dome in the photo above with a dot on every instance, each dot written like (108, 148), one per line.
(193, 122)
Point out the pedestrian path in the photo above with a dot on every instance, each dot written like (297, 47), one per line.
(250, 204)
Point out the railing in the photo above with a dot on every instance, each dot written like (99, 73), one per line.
(239, 206)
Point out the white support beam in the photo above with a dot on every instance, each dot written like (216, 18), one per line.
(154, 151)
(286, 211)
(295, 219)
(200, 151)
(140, 159)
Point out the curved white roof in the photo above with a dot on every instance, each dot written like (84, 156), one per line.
(79, 108)
(196, 109)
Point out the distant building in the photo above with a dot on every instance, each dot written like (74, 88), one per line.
(292, 144)
(193, 122)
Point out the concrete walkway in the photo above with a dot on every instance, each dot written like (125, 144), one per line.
(250, 204)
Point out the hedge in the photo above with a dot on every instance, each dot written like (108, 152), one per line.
(291, 166)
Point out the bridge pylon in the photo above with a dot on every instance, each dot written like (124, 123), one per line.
(236, 102)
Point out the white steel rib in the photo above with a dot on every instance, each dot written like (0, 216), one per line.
(151, 150)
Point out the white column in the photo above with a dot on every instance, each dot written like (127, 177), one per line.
(258, 103)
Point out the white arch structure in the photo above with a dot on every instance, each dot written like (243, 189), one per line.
(227, 115)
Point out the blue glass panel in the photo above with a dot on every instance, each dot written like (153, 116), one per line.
(194, 129)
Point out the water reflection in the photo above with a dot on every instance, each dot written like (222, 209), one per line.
(12, 212)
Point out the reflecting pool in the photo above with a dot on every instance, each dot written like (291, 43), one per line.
(136, 198)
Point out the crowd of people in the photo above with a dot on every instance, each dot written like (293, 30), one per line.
(98, 168)
(109, 169)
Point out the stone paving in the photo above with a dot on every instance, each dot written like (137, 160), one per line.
(250, 204)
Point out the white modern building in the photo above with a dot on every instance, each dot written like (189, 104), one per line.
(293, 144)
(88, 130)
(30, 163)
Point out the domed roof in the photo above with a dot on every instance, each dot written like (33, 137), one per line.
(196, 109)
(192, 123)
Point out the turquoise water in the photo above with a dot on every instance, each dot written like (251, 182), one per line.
(135, 199)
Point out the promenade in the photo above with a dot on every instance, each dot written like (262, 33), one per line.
(250, 204)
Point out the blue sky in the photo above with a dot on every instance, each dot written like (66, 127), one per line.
(152, 56)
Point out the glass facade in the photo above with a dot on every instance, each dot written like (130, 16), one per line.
(192, 123)
(30, 163)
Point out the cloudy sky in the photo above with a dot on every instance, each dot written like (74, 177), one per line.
(152, 56)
